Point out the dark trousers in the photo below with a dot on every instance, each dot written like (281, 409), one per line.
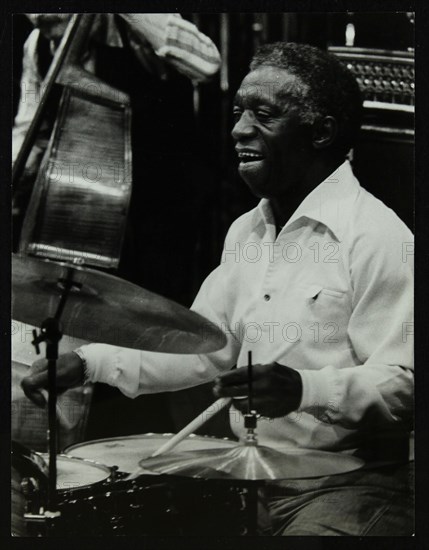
(367, 502)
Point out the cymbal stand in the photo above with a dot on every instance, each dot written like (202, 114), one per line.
(251, 418)
(51, 334)
(250, 423)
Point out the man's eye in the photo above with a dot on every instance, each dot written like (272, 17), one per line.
(236, 114)
(262, 114)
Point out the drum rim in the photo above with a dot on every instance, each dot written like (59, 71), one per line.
(147, 435)
(94, 464)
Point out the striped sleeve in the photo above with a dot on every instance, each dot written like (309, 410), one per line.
(179, 42)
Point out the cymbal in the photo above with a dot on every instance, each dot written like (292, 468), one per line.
(106, 309)
(252, 462)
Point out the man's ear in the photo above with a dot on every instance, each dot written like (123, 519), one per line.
(324, 132)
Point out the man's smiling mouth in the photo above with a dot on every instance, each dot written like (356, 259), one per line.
(247, 156)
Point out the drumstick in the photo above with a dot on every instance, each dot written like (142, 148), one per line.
(187, 430)
(63, 421)
(194, 425)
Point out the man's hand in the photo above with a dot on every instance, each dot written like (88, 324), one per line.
(277, 390)
(70, 373)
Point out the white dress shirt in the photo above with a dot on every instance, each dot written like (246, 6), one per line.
(331, 296)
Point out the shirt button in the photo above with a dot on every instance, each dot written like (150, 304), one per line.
(267, 297)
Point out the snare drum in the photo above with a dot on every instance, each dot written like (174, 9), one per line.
(158, 505)
(162, 505)
(125, 453)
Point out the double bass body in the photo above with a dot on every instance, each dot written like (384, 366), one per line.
(78, 207)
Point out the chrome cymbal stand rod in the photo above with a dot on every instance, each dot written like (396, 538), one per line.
(51, 334)
(250, 419)
(249, 383)
(250, 423)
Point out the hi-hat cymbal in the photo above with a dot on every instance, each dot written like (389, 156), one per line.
(252, 462)
(103, 308)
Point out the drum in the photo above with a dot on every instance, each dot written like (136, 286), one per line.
(125, 453)
(29, 476)
(77, 473)
(156, 505)
(94, 502)
(75, 477)
(161, 505)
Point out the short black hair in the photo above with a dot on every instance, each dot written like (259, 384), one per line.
(329, 87)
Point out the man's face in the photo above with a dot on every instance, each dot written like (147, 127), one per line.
(273, 144)
(51, 25)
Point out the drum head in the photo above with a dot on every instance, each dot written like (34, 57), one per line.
(76, 473)
(127, 452)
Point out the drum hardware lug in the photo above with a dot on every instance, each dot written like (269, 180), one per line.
(29, 486)
(116, 522)
(243, 502)
(78, 261)
(36, 518)
(52, 515)
(41, 517)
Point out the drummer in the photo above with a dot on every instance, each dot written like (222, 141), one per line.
(317, 281)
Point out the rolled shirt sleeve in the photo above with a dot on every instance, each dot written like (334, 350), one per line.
(178, 42)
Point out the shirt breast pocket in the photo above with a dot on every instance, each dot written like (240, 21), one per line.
(328, 306)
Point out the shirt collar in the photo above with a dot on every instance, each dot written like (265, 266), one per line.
(329, 203)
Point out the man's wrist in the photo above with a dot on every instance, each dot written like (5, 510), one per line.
(81, 355)
(296, 398)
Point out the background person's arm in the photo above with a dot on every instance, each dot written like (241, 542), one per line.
(178, 42)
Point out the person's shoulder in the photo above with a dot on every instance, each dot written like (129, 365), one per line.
(376, 223)
(379, 246)
(242, 226)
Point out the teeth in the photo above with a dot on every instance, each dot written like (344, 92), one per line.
(249, 156)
